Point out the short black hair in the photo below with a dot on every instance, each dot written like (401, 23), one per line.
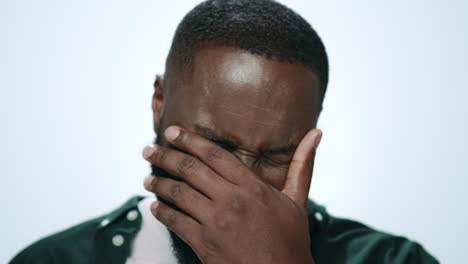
(262, 27)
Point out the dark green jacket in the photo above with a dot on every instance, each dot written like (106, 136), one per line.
(106, 239)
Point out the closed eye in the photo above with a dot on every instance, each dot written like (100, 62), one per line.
(274, 163)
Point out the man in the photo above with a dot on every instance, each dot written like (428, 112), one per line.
(235, 115)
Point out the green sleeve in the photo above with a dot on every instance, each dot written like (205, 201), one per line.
(71, 246)
(337, 240)
(408, 252)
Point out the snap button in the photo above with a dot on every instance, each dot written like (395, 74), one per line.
(118, 240)
(132, 215)
(318, 216)
(105, 222)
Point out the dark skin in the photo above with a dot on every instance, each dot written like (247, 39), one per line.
(240, 134)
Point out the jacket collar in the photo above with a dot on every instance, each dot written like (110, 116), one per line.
(117, 229)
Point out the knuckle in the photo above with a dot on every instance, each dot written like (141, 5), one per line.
(210, 244)
(223, 223)
(160, 212)
(236, 208)
(304, 163)
(170, 219)
(237, 204)
(161, 155)
(214, 153)
(186, 164)
(174, 191)
(184, 138)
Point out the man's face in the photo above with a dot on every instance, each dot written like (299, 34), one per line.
(257, 108)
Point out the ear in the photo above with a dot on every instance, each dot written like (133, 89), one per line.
(157, 101)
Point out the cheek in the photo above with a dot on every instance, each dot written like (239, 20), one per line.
(275, 176)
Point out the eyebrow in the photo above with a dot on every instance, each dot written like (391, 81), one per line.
(232, 145)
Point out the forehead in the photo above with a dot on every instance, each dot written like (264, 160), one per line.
(236, 92)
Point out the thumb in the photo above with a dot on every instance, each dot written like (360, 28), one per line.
(301, 168)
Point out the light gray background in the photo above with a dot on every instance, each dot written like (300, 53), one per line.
(76, 84)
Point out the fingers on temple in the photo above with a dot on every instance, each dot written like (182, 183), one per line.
(301, 168)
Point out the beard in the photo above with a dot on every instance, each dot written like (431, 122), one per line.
(182, 251)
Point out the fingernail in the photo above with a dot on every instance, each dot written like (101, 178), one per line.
(148, 151)
(149, 181)
(154, 206)
(317, 140)
(171, 133)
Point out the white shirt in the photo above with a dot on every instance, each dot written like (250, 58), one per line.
(152, 244)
